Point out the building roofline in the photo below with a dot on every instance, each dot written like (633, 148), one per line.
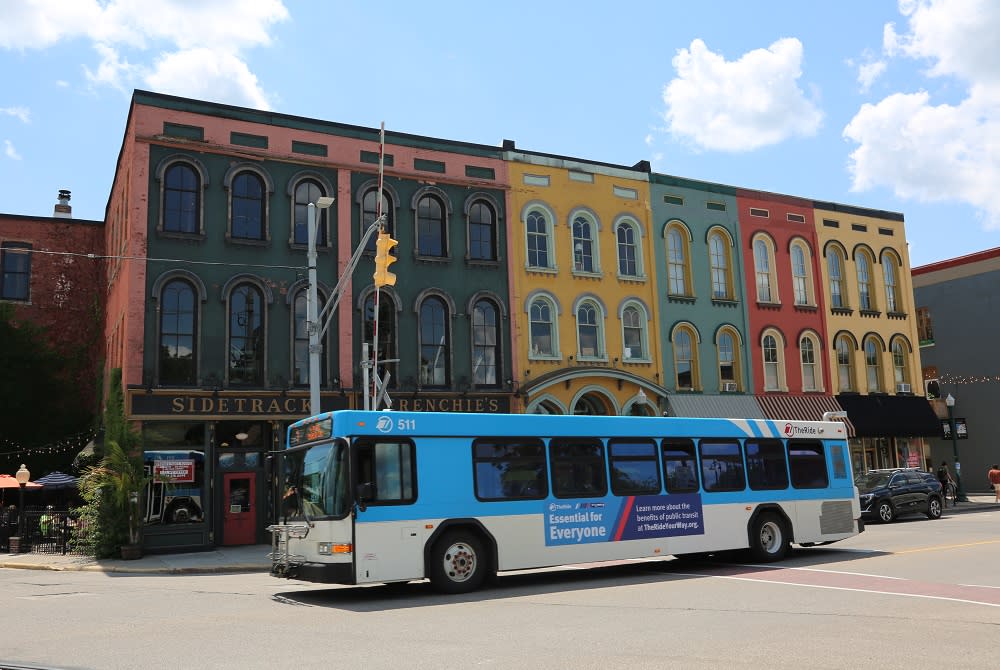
(958, 261)
(50, 219)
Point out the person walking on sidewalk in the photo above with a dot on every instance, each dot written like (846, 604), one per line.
(944, 476)
(994, 475)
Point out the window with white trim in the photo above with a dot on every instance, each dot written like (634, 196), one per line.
(539, 239)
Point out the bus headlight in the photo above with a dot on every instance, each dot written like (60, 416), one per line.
(328, 548)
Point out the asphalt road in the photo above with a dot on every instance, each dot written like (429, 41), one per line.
(914, 594)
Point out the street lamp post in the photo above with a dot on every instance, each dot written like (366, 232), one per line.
(312, 304)
(959, 492)
(23, 475)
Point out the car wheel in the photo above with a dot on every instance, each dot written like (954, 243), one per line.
(768, 540)
(458, 563)
(934, 505)
(886, 512)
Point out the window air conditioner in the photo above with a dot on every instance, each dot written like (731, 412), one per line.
(729, 386)
(903, 388)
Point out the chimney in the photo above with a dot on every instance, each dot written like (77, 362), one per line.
(62, 209)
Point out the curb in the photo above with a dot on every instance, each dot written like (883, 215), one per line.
(136, 570)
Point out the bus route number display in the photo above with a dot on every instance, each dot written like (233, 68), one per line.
(634, 518)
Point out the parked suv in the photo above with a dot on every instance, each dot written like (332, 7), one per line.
(887, 494)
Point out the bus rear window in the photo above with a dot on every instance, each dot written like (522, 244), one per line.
(766, 468)
(577, 467)
(808, 464)
(721, 465)
(634, 469)
(679, 466)
(509, 469)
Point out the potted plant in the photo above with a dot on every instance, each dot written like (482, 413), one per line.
(117, 480)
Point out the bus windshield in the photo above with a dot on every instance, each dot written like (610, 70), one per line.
(316, 481)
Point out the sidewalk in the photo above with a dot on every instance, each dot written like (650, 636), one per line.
(253, 558)
(250, 558)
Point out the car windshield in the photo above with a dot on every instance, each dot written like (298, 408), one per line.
(871, 480)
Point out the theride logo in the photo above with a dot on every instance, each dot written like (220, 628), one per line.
(789, 430)
(384, 424)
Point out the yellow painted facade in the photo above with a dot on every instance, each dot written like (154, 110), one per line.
(888, 319)
(583, 288)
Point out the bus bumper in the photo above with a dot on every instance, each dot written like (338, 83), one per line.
(323, 573)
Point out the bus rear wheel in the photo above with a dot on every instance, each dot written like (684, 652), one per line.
(458, 563)
(768, 539)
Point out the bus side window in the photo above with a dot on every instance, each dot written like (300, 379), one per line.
(634, 468)
(679, 466)
(577, 467)
(766, 467)
(510, 468)
(721, 465)
(808, 464)
(390, 468)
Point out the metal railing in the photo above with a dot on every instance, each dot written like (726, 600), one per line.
(45, 532)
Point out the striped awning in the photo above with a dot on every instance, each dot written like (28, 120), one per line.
(785, 406)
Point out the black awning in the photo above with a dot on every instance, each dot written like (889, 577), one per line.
(891, 415)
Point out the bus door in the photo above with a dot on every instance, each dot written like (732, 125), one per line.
(239, 514)
(388, 537)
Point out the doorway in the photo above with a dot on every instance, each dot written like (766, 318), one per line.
(239, 515)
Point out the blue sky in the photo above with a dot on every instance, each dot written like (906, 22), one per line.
(884, 105)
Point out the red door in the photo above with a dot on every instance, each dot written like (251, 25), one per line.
(239, 518)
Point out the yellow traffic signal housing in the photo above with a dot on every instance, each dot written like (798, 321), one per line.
(383, 259)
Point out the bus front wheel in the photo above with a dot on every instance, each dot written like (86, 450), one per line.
(458, 563)
(768, 539)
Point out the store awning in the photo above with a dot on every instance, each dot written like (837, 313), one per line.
(891, 415)
(784, 407)
(708, 406)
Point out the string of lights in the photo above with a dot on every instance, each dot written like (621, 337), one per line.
(968, 379)
(13, 451)
(163, 260)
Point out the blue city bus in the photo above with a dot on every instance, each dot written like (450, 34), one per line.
(378, 497)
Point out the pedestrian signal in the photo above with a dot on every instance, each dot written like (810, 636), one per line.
(383, 259)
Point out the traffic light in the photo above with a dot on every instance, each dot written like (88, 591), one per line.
(383, 259)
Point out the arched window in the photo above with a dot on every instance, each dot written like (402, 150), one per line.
(178, 330)
(628, 265)
(812, 373)
(370, 212)
(300, 344)
(685, 358)
(845, 364)
(802, 284)
(718, 258)
(432, 235)
(866, 293)
(678, 270)
(873, 365)
(485, 344)
(307, 191)
(539, 231)
(634, 333)
(835, 267)
(589, 331)
(900, 362)
(728, 361)
(181, 199)
(248, 207)
(386, 328)
(542, 326)
(773, 349)
(482, 232)
(890, 271)
(435, 346)
(763, 260)
(246, 336)
(583, 245)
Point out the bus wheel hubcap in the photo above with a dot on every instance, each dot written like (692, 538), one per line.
(459, 562)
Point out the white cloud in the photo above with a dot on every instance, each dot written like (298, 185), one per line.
(208, 75)
(739, 105)
(10, 151)
(22, 113)
(937, 152)
(128, 37)
(869, 72)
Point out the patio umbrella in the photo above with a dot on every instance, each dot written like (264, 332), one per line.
(8, 482)
(55, 481)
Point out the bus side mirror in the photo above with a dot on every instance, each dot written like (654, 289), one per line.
(363, 493)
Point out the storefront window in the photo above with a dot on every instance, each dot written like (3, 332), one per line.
(174, 457)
